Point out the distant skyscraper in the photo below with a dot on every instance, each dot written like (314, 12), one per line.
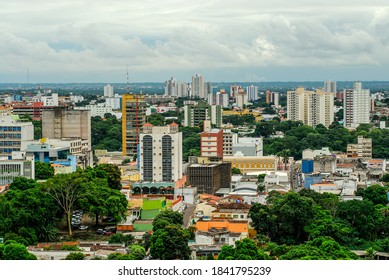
(197, 86)
(133, 119)
(330, 86)
(207, 90)
(197, 112)
(218, 98)
(241, 98)
(356, 106)
(171, 87)
(310, 107)
(252, 93)
(108, 91)
(234, 90)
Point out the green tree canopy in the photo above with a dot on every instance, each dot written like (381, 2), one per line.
(43, 170)
(170, 243)
(243, 250)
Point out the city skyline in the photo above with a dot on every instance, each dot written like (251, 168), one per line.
(96, 41)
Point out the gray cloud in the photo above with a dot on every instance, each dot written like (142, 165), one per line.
(157, 39)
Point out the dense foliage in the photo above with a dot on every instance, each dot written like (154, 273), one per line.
(297, 218)
(106, 133)
(43, 170)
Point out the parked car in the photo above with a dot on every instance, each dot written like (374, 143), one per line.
(83, 227)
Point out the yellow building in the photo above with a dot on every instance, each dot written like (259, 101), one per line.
(257, 115)
(133, 119)
(248, 164)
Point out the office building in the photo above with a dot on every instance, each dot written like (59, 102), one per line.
(12, 133)
(356, 106)
(18, 165)
(209, 178)
(133, 119)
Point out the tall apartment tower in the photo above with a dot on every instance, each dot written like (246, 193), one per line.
(208, 90)
(197, 86)
(108, 91)
(310, 107)
(197, 112)
(160, 153)
(133, 119)
(241, 99)
(171, 87)
(252, 93)
(330, 86)
(356, 106)
(218, 98)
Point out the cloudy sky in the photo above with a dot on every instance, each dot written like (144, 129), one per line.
(225, 40)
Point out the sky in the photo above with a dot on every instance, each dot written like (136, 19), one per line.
(224, 40)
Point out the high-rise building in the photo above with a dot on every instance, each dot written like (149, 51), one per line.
(241, 99)
(197, 86)
(273, 97)
(234, 89)
(197, 112)
(310, 107)
(108, 91)
(13, 133)
(60, 123)
(133, 119)
(218, 98)
(171, 87)
(208, 90)
(160, 153)
(252, 93)
(211, 142)
(356, 106)
(330, 86)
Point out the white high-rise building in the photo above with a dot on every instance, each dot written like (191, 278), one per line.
(310, 107)
(171, 87)
(160, 153)
(330, 86)
(197, 89)
(252, 93)
(241, 99)
(356, 106)
(218, 98)
(208, 90)
(108, 91)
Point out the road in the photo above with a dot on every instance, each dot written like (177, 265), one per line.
(188, 214)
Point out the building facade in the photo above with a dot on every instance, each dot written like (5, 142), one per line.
(356, 106)
(196, 113)
(209, 178)
(160, 153)
(133, 119)
(310, 107)
(12, 134)
(211, 142)
(197, 87)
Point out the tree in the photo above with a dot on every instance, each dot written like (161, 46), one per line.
(112, 173)
(66, 190)
(167, 217)
(118, 238)
(29, 212)
(156, 119)
(322, 248)
(243, 250)
(43, 170)
(75, 256)
(137, 252)
(236, 171)
(22, 183)
(376, 194)
(170, 243)
(11, 250)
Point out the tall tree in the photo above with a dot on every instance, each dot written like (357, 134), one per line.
(66, 190)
